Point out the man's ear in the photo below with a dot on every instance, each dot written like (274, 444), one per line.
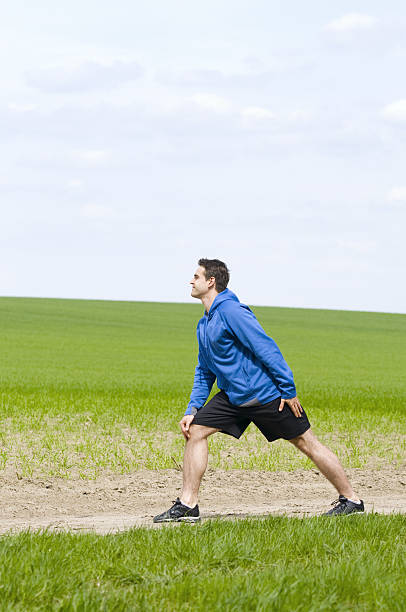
(212, 282)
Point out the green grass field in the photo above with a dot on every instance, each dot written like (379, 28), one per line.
(89, 387)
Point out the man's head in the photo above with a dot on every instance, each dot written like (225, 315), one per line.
(212, 275)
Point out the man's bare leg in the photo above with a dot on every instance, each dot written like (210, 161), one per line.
(327, 462)
(195, 462)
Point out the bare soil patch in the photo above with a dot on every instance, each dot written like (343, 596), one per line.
(112, 503)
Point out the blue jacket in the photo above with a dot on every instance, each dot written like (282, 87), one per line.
(234, 348)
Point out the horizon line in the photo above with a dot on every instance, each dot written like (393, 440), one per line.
(152, 301)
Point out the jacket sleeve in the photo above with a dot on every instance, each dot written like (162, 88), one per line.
(203, 382)
(243, 324)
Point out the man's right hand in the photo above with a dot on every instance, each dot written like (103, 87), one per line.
(184, 424)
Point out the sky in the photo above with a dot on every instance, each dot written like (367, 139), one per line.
(138, 137)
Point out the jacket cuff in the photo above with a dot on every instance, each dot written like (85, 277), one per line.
(288, 395)
(191, 410)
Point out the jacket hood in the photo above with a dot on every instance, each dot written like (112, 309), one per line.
(220, 299)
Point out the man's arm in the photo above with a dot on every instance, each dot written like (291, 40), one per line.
(202, 385)
(245, 327)
(203, 382)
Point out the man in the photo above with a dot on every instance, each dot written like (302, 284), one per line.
(256, 385)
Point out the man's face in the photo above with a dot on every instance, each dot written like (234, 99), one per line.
(200, 286)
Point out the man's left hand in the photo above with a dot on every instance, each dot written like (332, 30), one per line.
(293, 404)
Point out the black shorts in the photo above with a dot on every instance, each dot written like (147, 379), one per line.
(220, 413)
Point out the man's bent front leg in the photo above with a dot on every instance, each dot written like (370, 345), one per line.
(195, 462)
(327, 462)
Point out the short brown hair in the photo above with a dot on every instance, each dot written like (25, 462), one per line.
(218, 269)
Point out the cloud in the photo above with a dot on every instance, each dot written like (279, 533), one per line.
(397, 194)
(352, 21)
(211, 102)
(74, 184)
(97, 211)
(396, 111)
(86, 76)
(22, 108)
(299, 116)
(256, 118)
(93, 157)
(262, 118)
(258, 75)
(258, 113)
(206, 77)
(360, 246)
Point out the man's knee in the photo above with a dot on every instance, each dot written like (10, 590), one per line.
(200, 432)
(306, 442)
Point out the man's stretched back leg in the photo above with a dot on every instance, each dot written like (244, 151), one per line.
(330, 466)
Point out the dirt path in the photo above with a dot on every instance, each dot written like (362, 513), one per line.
(114, 503)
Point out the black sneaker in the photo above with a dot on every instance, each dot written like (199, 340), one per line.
(178, 513)
(344, 506)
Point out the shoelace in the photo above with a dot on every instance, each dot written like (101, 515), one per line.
(337, 502)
